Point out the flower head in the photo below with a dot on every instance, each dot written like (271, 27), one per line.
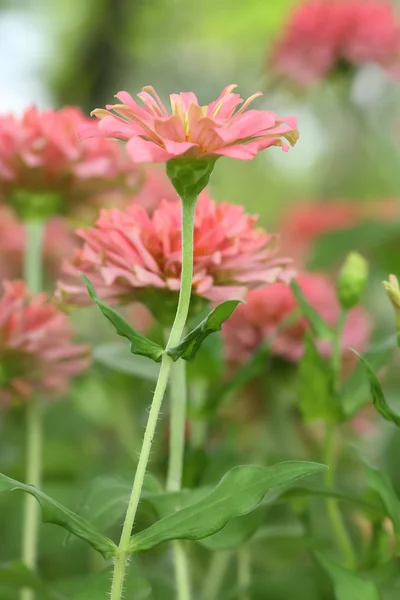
(36, 351)
(324, 35)
(133, 256)
(267, 309)
(45, 168)
(154, 134)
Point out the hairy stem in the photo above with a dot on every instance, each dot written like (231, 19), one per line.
(178, 401)
(33, 279)
(121, 560)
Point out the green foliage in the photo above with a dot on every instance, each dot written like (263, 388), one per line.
(236, 532)
(317, 400)
(377, 394)
(139, 343)
(348, 585)
(54, 512)
(15, 576)
(239, 492)
(380, 482)
(115, 356)
(320, 327)
(191, 343)
(355, 390)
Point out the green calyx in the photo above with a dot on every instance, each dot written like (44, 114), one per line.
(37, 206)
(190, 176)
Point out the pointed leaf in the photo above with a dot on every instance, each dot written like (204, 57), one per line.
(236, 531)
(322, 330)
(139, 343)
(355, 390)
(380, 482)
(116, 356)
(348, 585)
(56, 513)
(239, 492)
(317, 400)
(189, 346)
(377, 394)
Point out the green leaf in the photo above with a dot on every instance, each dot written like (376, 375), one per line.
(104, 502)
(15, 575)
(139, 343)
(355, 391)
(116, 356)
(322, 330)
(239, 492)
(189, 346)
(56, 513)
(375, 511)
(377, 394)
(236, 531)
(348, 585)
(317, 400)
(380, 482)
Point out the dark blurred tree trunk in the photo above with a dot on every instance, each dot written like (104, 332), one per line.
(96, 66)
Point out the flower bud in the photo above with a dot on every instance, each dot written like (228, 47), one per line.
(352, 280)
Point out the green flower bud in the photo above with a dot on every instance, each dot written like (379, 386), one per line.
(352, 280)
(393, 293)
(189, 176)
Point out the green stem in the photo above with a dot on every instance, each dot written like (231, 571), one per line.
(33, 278)
(178, 401)
(121, 559)
(335, 516)
(244, 572)
(216, 575)
(338, 526)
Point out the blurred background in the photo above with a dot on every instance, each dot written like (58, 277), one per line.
(54, 53)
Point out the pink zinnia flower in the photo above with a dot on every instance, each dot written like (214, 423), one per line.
(59, 243)
(40, 154)
(323, 35)
(36, 351)
(218, 129)
(266, 309)
(129, 255)
(303, 224)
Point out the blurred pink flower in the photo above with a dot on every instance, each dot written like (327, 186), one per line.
(266, 309)
(59, 243)
(40, 153)
(303, 224)
(322, 35)
(156, 187)
(155, 135)
(36, 351)
(130, 253)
